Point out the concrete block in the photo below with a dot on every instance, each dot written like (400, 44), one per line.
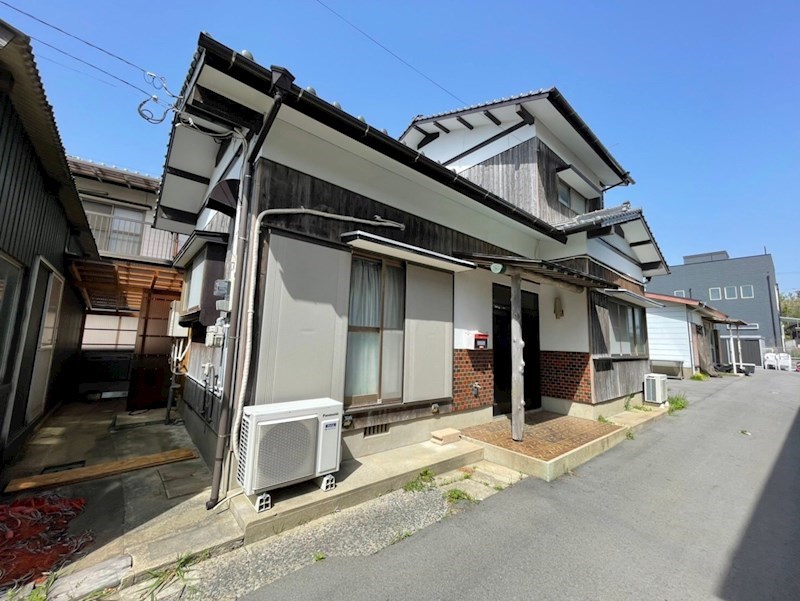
(445, 436)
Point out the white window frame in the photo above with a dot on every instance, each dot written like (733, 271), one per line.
(679, 293)
(714, 296)
(735, 292)
(742, 288)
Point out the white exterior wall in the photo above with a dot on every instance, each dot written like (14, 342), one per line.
(668, 335)
(571, 332)
(304, 151)
(473, 311)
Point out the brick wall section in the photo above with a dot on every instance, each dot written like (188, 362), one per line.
(566, 376)
(471, 366)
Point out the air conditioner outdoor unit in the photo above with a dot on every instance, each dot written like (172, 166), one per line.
(285, 443)
(655, 388)
(174, 329)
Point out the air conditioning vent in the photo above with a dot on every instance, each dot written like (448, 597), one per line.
(655, 388)
(376, 430)
(284, 443)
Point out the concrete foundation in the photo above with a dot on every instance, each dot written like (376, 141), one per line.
(587, 411)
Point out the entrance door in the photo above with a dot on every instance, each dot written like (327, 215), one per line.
(48, 330)
(501, 335)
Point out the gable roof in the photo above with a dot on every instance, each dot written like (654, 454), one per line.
(706, 310)
(634, 229)
(547, 104)
(222, 63)
(30, 103)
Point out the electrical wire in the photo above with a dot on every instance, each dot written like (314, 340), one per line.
(103, 71)
(405, 62)
(40, 56)
(74, 37)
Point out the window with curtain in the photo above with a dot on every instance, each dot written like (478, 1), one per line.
(374, 372)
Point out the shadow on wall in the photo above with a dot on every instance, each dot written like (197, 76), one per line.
(768, 554)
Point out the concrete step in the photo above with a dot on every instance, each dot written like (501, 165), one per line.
(638, 420)
(358, 480)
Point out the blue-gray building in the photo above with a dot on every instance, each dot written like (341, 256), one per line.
(744, 287)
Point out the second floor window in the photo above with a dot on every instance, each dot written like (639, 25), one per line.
(563, 194)
(747, 291)
(116, 229)
(680, 293)
(730, 293)
(715, 294)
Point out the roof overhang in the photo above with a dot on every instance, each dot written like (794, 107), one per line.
(538, 271)
(113, 175)
(238, 92)
(119, 286)
(548, 106)
(24, 86)
(577, 180)
(631, 298)
(407, 252)
(195, 244)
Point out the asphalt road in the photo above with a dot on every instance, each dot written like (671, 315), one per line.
(693, 508)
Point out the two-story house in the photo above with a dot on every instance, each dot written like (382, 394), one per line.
(745, 287)
(128, 291)
(382, 273)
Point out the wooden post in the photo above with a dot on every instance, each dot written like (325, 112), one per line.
(517, 362)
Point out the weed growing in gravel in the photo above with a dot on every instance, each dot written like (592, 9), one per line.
(454, 495)
(499, 487)
(677, 402)
(319, 556)
(603, 420)
(629, 435)
(171, 574)
(421, 482)
(628, 400)
(699, 377)
(401, 536)
(641, 408)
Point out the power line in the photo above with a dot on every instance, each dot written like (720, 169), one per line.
(40, 56)
(74, 37)
(373, 40)
(88, 64)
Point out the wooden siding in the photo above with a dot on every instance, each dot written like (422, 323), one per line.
(616, 378)
(282, 187)
(547, 165)
(511, 175)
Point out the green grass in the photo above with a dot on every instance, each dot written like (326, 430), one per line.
(641, 408)
(603, 420)
(401, 536)
(318, 556)
(677, 402)
(177, 572)
(629, 435)
(421, 482)
(454, 495)
(628, 400)
(39, 593)
(699, 377)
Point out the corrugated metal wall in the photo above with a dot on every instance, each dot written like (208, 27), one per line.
(32, 223)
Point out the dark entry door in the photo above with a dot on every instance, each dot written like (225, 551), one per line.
(501, 334)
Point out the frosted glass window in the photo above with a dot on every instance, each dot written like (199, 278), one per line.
(50, 319)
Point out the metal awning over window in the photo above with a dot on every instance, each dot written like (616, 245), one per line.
(401, 250)
(632, 298)
(539, 270)
(119, 286)
(578, 181)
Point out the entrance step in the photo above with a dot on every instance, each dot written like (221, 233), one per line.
(636, 420)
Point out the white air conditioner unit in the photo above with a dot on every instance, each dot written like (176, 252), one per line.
(285, 443)
(655, 388)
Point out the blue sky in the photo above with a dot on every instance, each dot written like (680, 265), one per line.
(699, 100)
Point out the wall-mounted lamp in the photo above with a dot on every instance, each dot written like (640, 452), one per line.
(558, 308)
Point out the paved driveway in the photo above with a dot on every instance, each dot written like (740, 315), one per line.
(691, 509)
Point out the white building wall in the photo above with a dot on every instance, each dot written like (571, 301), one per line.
(608, 256)
(668, 335)
(473, 312)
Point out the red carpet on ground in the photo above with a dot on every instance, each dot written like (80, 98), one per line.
(34, 539)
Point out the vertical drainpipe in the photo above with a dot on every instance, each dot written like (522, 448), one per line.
(281, 83)
(771, 291)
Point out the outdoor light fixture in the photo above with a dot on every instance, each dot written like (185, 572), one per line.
(497, 268)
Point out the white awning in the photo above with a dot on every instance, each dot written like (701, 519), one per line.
(632, 298)
(579, 182)
(407, 252)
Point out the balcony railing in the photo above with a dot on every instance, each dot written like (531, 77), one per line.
(131, 238)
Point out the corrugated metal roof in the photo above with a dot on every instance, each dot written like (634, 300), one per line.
(113, 175)
(30, 102)
(521, 97)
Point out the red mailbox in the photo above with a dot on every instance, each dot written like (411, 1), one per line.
(481, 340)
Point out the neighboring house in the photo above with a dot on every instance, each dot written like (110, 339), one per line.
(380, 277)
(125, 339)
(683, 336)
(744, 287)
(42, 226)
